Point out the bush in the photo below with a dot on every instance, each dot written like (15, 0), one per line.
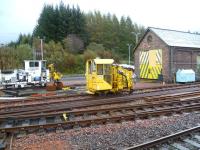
(88, 54)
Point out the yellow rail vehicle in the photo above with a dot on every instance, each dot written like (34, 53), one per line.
(102, 76)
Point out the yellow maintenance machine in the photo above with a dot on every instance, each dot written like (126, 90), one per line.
(103, 76)
(55, 78)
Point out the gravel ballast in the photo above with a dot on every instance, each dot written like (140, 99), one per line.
(110, 136)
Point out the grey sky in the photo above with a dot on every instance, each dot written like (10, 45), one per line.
(20, 16)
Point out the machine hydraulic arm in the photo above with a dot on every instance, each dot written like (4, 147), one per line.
(55, 78)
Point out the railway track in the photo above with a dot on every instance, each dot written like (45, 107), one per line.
(56, 121)
(167, 87)
(86, 100)
(41, 99)
(62, 98)
(124, 108)
(184, 140)
(69, 105)
(50, 118)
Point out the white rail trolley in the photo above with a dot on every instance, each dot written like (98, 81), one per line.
(34, 73)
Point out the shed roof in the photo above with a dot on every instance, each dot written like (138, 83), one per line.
(177, 38)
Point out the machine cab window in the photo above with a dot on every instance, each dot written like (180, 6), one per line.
(99, 66)
(99, 69)
(33, 64)
(107, 69)
(43, 65)
(103, 69)
(91, 67)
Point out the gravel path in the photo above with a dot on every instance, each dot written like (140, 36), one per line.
(110, 136)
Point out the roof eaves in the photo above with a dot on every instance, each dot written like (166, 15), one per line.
(158, 36)
(140, 40)
(147, 30)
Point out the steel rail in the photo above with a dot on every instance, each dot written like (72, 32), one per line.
(145, 90)
(164, 139)
(134, 108)
(97, 102)
(113, 117)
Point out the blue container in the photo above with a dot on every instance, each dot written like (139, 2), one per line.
(185, 75)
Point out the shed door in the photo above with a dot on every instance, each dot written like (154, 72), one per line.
(144, 64)
(198, 67)
(151, 64)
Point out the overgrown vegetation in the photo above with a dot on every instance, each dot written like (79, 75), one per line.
(70, 37)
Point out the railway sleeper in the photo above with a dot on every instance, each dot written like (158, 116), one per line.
(3, 142)
(71, 116)
(41, 131)
(7, 124)
(111, 113)
(124, 111)
(93, 124)
(85, 116)
(42, 121)
(21, 133)
(26, 122)
(57, 119)
(178, 146)
(99, 114)
(122, 120)
(191, 142)
(76, 126)
(60, 129)
(109, 122)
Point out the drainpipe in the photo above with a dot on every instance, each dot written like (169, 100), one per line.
(171, 63)
(192, 60)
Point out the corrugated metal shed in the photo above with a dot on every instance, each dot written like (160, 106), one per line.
(177, 38)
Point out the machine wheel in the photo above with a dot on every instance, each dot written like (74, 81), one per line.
(103, 93)
(43, 84)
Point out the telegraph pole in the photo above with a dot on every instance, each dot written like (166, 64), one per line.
(41, 46)
(136, 36)
(129, 52)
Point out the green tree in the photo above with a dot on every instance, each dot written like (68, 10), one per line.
(11, 57)
(21, 53)
(47, 24)
(111, 33)
(24, 39)
(55, 23)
